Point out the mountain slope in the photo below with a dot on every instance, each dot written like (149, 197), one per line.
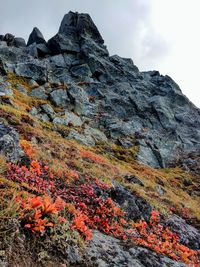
(92, 149)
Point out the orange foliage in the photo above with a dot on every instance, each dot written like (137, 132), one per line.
(92, 156)
(28, 148)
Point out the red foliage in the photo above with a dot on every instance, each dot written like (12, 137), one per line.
(36, 212)
(89, 206)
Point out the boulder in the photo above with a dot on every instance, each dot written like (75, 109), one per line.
(64, 44)
(9, 39)
(107, 251)
(34, 70)
(136, 208)
(9, 144)
(39, 93)
(36, 37)
(60, 98)
(19, 42)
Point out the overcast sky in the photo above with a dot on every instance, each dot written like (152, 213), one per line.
(157, 34)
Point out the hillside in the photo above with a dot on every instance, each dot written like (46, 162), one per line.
(99, 162)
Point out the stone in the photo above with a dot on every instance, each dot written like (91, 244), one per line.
(64, 44)
(21, 89)
(96, 134)
(9, 144)
(73, 119)
(19, 42)
(9, 39)
(36, 37)
(1, 37)
(189, 236)
(48, 109)
(31, 70)
(5, 89)
(60, 98)
(81, 71)
(86, 140)
(136, 208)
(107, 251)
(42, 50)
(33, 84)
(39, 93)
(133, 179)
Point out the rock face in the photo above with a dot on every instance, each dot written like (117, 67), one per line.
(106, 251)
(129, 107)
(9, 144)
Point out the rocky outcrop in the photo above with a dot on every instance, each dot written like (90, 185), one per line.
(106, 251)
(129, 107)
(9, 144)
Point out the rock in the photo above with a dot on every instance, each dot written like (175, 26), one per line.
(133, 179)
(36, 37)
(9, 39)
(33, 84)
(42, 50)
(69, 119)
(73, 119)
(48, 109)
(21, 89)
(136, 208)
(5, 89)
(189, 236)
(106, 251)
(81, 71)
(64, 44)
(1, 37)
(38, 93)
(19, 42)
(9, 144)
(33, 70)
(81, 138)
(60, 98)
(80, 100)
(96, 134)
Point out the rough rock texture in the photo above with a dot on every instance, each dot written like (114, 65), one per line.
(106, 251)
(9, 144)
(130, 107)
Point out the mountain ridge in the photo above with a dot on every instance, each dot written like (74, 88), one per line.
(84, 135)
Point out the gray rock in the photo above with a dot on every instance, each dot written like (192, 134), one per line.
(36, 37)
(5, 89)
(107, 251)
(189, 236)
(9, 39)
(133, 179)
(136, 208)
(9, 144)
(48, 109)
(21, 89)
(33, 84)
(39, 93)
(60, 98)
(96, 134)
(73, 119)
(81, 138)
(19, 42)
(81, 71)
(64, 44)
(33, 70)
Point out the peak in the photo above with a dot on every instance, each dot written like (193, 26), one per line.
(82, 24)
(36, 37)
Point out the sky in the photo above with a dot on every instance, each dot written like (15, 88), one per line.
(157, 34)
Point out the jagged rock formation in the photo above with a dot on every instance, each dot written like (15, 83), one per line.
(101, 99)
(130, 107)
